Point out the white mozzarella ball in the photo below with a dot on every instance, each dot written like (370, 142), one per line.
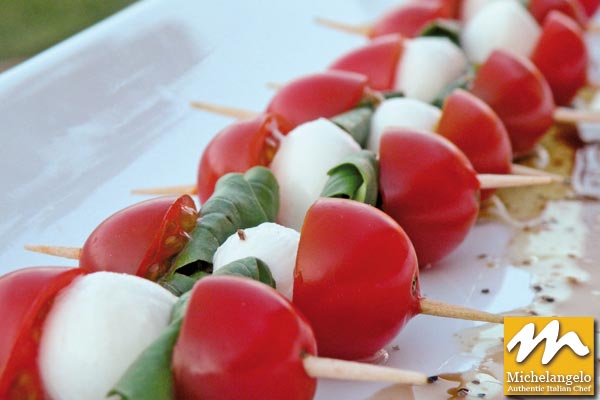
(301, 164)
(470, 8)
(402, 112)
(97, 327)
(272, 243)
(503, 25)
(427, 66)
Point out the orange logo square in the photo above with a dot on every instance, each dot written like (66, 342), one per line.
(549, 356)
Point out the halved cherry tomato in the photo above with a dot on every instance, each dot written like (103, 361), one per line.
(141, 239)
(478, 132)
(562, 57)
(540, 9)
(411, 18)
(321, 95)
(26, 296)
(517, 91)
(590, 6)
(430, 188)
(239, 147)
(240, 340)
(356, 278)
(377, 60)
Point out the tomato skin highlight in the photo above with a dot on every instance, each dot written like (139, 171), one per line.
(430, 188)
(141, 239)
(561, 55)
(353, 278)
(241, 340)
(410, 19)
(26, 296)
(377, 60)
(517, 91)
(321, 95)
(478, 132)
(237, 148)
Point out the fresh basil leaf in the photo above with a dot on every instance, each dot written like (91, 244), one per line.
(354, 178)
(180, 306)
(150, 376)
(177, 283)
(249, 267)
(239, 201)
(357, 122)
(443, 28)
(462, 82)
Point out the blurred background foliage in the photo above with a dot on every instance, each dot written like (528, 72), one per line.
(30, 26)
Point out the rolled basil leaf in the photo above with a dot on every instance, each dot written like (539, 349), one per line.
(249, 267)
(357, 122)
(355, 178)
(240, 201)
(443, 28)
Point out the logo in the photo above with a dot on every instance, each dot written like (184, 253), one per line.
(549, 356)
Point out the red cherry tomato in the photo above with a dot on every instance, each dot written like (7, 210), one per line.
(430, 188)
(324, 94)
(478, 132)
(410, 19)
(356, 278)
(517, 91)
(141, 239)
(26, 296)
(561, 55)
(237, 148)
(590, 6)
(378, 61)
(241, 340)
(540, 9)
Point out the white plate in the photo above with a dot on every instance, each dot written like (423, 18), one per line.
(108, 111)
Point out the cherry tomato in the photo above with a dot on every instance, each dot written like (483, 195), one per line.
(26, 296)
(430, 188)
(590, 6)
(239, 147)
(410, 19)
(378, 61)
(540, 9)
(141, 239)
(517, 91)
(478, 132)
(320, 95)
(561, 55)
(241, 340)
(356, 278)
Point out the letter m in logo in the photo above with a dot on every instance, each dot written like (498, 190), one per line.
(526, 337)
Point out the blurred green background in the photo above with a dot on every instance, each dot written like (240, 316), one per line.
(30, 26)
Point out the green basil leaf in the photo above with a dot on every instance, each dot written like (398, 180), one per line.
(177, 283)
(443, 28)
(357, 122)
(462, 82)
(240, 201)
(150, 376)
(355, 178)
(249, 267)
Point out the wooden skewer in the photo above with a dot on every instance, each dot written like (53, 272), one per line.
(224, 110)
(439, 309)
(59, 251)
(319, 367)
(175, 190)
(518, 169)
(495, 181)
(274, 85)
(592, 28)
(363, 30)
(572, 116)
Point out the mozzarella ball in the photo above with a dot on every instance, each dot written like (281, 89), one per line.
(470, 8)
(427, 66)
(272, 243)
(301, 164)
(503, 25)
(402, 112)
(95, 330)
